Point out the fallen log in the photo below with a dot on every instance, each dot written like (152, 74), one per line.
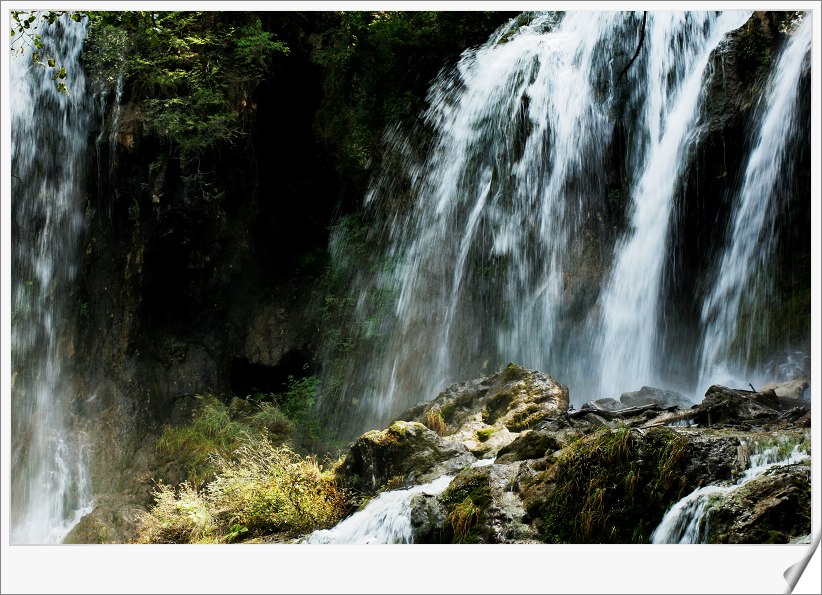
(620, 413)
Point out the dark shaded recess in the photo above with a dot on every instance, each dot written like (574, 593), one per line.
(248, 378)
(386, 81)
(296, 177)
(177, 275)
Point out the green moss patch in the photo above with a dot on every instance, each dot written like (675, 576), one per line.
(611, 487)
(465, 502)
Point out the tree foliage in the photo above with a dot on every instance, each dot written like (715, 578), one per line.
(194, 72)
(362, 51)
(25, 34)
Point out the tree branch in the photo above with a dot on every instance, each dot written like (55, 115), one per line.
(638, 46)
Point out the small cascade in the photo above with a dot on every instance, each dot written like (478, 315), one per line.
(50, 487)
(385, 519)
(688, 521)
(743, 272)
(110, 123)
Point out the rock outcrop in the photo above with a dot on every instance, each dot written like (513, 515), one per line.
(526, 469)
(772, 508)
(404, 454)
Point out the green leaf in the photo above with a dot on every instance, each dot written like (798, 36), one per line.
(61, 88)
(12, 33)
(51, 62)
(62, 72)
(76, 17)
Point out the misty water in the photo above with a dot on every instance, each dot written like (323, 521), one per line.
(488, 230)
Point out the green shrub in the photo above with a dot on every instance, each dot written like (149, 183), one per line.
(178, 516)
(270, 489)
(259, 489)
(193, 73)
(217, 429)
(434, 421)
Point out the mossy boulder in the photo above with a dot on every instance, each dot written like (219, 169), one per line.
(611, 486)
(488, 413)
(109, 522)
(465, 502)
(480, 506)
(772, 508)
(534, 444)
(404, 454)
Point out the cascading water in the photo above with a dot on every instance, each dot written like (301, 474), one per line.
(688, 521)
(674, 80)
(742, 271)
(386, 519)
(49, 480)
(528, 217)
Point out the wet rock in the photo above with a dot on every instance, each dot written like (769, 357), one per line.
(404, 454)
(655, 396)
(606, 404)
(534, 444)
(565, 480)
(481, 507)
(108, 523)
(792, 389)
(772, 508)
(725, 406)
(488, 413)
(712, 456)
(427, 518)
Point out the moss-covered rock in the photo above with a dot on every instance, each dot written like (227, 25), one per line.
(465, 502)
(772, 508)
(405, 450)
(109, 522)
(529, 445)
(488, 413)
(612, 486)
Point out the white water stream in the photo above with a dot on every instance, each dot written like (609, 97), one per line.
(50, 488)
(385, 519)
(688, 521)
(743, 270)
(674, 81)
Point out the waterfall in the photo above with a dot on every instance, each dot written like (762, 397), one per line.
(385, 519)
(528, 217)
(742, 270)
(674, 80)
(687, 521)
(49, 476)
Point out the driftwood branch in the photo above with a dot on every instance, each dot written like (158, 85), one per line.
(638, 46)
(627, 412)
